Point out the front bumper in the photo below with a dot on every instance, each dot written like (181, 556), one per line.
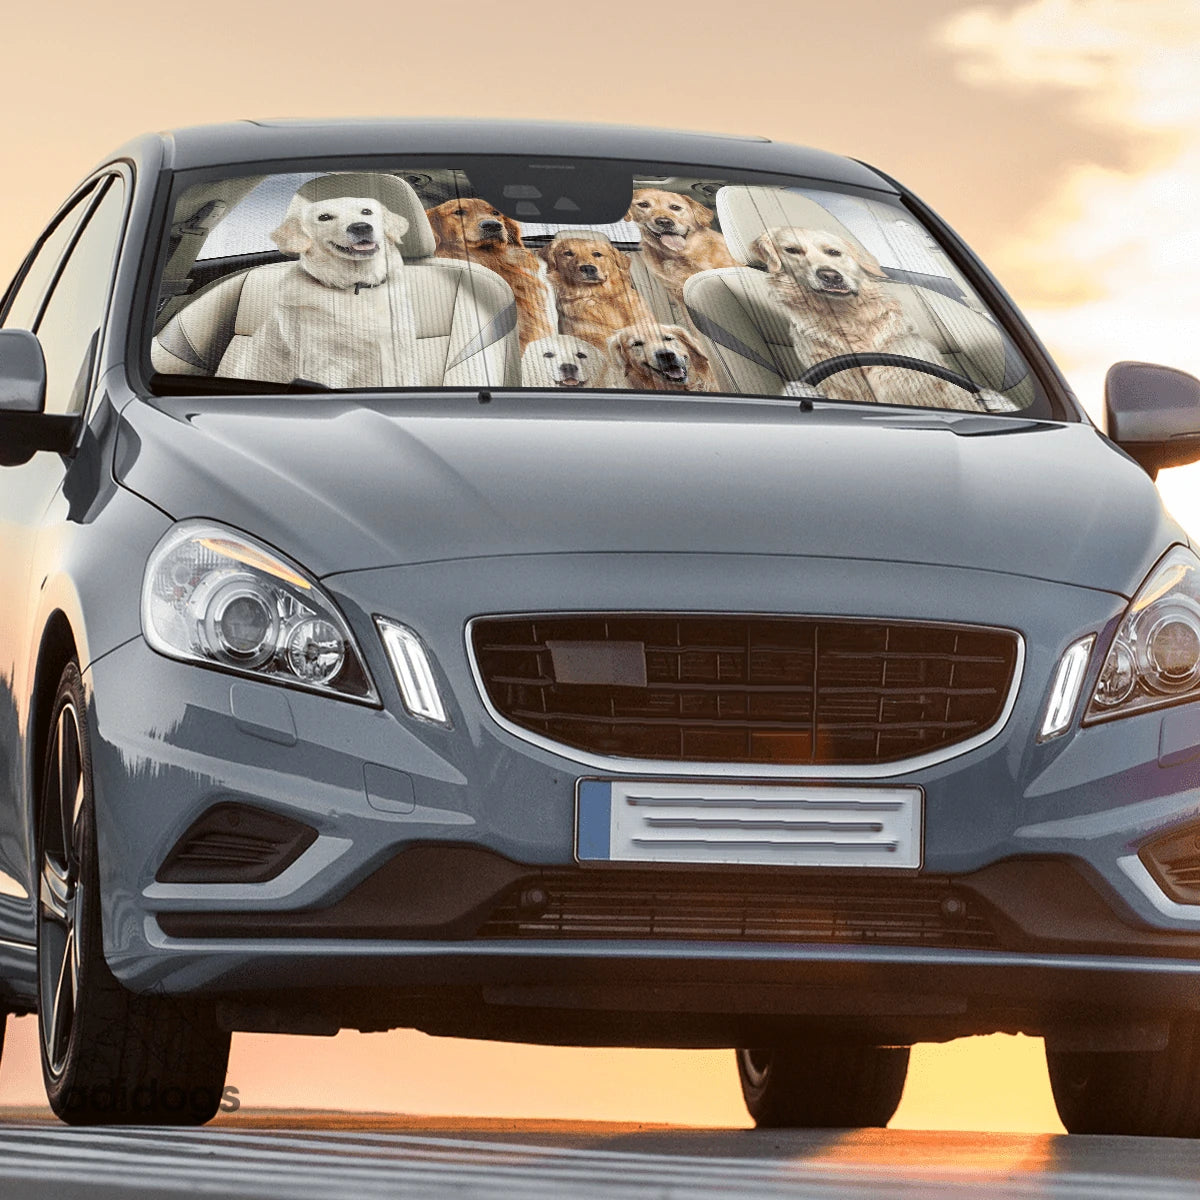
(169, 741)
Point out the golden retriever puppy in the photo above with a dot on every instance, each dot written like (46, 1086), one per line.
(475, 231)
(565, 362)
(677, 237)
(660, 358)
(341, 314)
(596, 296)
(831, 291)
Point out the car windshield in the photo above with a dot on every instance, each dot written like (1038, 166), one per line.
(570, 275)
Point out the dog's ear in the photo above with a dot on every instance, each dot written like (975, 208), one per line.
(617, 352)
(699, 358)
(637, 195)
(290, 237)
(868, 262)
(394, 226)
(514, 230)
(701, 212)
(437, 223)
(762, 249)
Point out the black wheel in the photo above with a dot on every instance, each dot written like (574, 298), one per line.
(822, 1085)
(1150, 1093)
(109, 1057)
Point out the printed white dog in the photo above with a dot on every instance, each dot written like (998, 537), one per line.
(562, 361)
(341, 315)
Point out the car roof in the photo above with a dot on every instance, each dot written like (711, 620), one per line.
(252, 141)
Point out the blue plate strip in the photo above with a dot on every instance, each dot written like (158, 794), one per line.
(595, 820)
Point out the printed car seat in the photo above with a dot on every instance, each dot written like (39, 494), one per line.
(465, 314)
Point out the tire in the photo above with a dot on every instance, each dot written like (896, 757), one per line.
(822, 1086)
(1149, 1093)
(109, 1056)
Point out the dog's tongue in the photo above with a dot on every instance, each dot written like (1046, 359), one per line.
(672, 241)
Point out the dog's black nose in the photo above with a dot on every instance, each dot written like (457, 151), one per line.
(490, 226)
(568, 370)
(829, 275)
(666, 358)
(589, 269)
(664, 222)
(360, 229)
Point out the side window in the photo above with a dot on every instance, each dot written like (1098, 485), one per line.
(26, 300)
(70, 325)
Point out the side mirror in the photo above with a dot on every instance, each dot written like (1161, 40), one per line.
(24, 427)
(1153, 414)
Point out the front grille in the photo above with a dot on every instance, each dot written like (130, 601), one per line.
(745, 689)
(735, 908)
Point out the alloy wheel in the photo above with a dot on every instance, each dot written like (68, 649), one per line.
(60, 893)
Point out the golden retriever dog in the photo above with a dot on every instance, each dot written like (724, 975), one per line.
(831, 291)
(677, 237)
(341, 315)
(596, 296)
(565, 362)
(660, 358)
(474, 230)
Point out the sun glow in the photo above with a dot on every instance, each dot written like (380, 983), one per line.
(1107, 270)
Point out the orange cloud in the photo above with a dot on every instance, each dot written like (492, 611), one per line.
(1107, 269)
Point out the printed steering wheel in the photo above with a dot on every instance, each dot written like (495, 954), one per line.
(821, 371)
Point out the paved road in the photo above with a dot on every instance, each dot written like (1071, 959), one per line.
(329, 1156)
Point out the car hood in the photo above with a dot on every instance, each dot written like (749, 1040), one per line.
(344, 485)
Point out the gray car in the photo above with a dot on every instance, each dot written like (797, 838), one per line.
(583, 586)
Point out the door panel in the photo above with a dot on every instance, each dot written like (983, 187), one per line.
(70, 315)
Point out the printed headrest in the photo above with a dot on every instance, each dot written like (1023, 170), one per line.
(563, 234)
(746, 212)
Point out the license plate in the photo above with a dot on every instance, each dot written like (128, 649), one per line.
(759, 824)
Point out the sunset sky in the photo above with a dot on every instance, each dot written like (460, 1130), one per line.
(1061, 138)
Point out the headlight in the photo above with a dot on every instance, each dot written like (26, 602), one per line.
(1155, 657)
(214, 596)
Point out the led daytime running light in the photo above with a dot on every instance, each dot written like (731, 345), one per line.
(1068, 683)
(413, 671)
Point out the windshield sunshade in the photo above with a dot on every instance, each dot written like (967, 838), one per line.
(571, 275)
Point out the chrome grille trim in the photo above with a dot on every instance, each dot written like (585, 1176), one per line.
(743, 770)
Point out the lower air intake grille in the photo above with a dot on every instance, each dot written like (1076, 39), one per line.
(236, 843)
(745, 689)
(731, 908)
